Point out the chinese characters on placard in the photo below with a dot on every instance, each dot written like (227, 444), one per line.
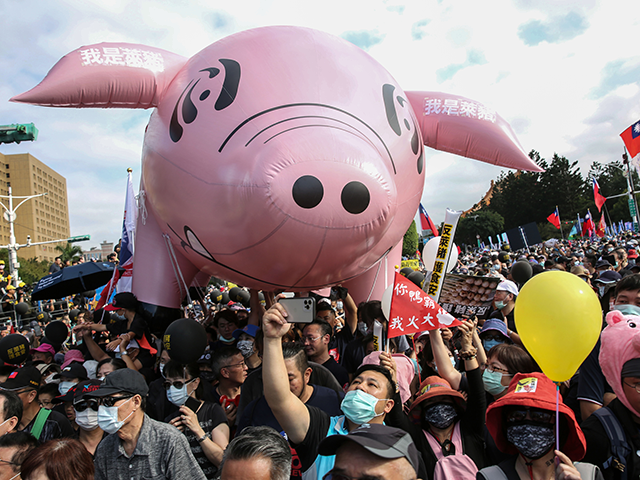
(460, 108)
(122, 56)
(439, 267)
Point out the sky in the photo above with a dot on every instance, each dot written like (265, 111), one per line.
(564, 74)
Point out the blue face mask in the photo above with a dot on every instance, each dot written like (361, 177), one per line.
(64, 387)
(493, 382)
(177, 396)
(360, 407)
(489, 344)
(628, 309)
(500, 304)
(108, 418)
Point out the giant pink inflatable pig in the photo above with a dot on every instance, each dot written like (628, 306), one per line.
(277, 158)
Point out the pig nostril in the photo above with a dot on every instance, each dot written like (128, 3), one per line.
(307, 191)
(355, 197)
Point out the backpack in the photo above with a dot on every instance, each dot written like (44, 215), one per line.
(587, 471)
(620, 448)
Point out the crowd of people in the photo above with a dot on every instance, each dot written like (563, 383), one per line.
(273, 399)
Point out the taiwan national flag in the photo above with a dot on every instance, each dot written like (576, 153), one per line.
(554, 218)
(128, 237)
(426, 223)
(631, 139)
(588, 226)
(597, 196)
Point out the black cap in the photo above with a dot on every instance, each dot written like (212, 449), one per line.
(25, 377)
(380, 440)
(78, 391)
(73, 370)
(603, 263)
(126, 300)
(122, 380)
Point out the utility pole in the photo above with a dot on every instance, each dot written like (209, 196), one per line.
(633, 207)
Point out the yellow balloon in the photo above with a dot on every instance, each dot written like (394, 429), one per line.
(559, 318)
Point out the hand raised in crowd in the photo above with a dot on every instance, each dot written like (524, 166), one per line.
(446, 334)
(274, 321)
(466, 331)
(387, 361)
(565, 470)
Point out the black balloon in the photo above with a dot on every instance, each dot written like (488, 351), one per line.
(43, 317)
(406, 271)
(73, 314)
(185, 340)
(22, 308)
(237, 294)
(14, 349)
(56, 331)
(215, 296)
(225, 298)
(521, 271)
(416, 277)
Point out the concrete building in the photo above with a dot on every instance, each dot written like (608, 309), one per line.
(43, 218)
(98, 254)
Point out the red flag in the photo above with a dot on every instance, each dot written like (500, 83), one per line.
(588, 226)
(554, 218)
(412, 310)
(631, 139)
(108, 289)
(602, 227)
(598, 197)
(426, 223)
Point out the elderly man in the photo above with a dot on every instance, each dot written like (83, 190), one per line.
(373, 451)
(505, 302)
(138, 446)
(260, 453)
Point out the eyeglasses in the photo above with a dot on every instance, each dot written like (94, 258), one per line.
(84, 404)
(342, 476)
(493, 369)
(541, 416)
(236, 365)
(8, 462)
(310, 339)
(111, 401)
(177, 384)
(636, 386)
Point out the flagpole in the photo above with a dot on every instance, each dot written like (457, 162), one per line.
(560, 222)
(607, 212)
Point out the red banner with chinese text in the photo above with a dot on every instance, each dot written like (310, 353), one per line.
(412, 310)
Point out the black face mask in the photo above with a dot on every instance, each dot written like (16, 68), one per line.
(532, 440)
(440, 415)
(208, 376)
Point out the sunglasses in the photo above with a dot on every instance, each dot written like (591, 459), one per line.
(84, 404)
(111, 401)
(540, 416)
(178, 384)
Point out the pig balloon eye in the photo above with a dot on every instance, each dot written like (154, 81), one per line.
(355, 197)
(307, 191)
(632, 325)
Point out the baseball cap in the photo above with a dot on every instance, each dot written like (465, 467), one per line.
(73, 370)
(78, 391)
(380, 440)
(73, 355)
(608, 277)
(123, 380)
(45, 348)
(508, 286)
(250, 330)
(25, 377)
(123, 300)
(603, 263)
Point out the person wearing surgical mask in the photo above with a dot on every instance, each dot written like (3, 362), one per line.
(203, 423)
(11, 410)
(503, 362)
(85, 412)
(137, 446)
(247, 345)
(225, 322)
(504, 301)
(15, 447)
(494, 332)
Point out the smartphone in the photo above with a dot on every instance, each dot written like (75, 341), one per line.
(192, 403)
(300, 309)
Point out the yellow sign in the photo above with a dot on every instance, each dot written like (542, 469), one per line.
(413, 264)
(527, 385)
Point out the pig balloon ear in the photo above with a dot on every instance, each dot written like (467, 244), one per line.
(465, 127)
(107, 75)
(614, 316)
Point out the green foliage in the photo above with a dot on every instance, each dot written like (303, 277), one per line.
(524, 197)
(69, 252)
(483, 223)
(31, 270)
(410, 241)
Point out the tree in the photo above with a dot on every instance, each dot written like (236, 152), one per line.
(410, 241)
(483, 222)
(69, 252)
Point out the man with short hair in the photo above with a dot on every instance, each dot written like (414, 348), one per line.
(228, 364)
(316, 337)
(44, 353)
(306, 426)
(340, 337)
(11, 410)
(55, 267)
(138, 446)
(14, 449)
(373, 451)
(259, 453)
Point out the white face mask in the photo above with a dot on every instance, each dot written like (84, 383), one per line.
(50, 379)
(64, 387)
(87, 420)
